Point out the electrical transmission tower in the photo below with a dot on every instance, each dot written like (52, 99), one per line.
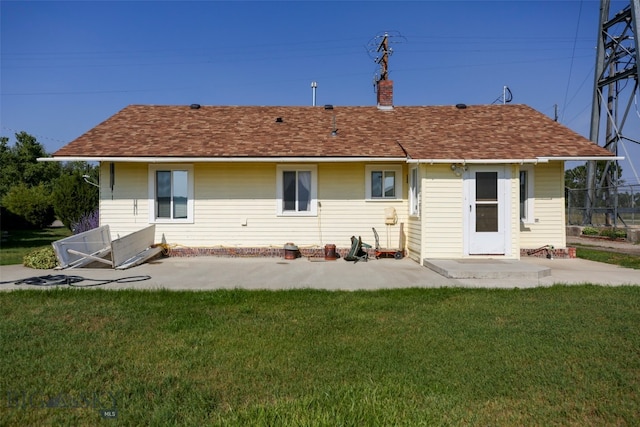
(616, 76)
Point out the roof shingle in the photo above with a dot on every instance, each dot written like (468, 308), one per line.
(430, 132)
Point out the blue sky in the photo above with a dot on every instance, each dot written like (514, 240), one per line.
(67, 66)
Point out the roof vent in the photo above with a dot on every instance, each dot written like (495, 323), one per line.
(328, 107)
(461, 106)
(194, 106)
(279, 120)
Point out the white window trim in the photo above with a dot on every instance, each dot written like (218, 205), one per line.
(152, 193)
(367, 177)
(313, 211)
(529, 202)
(414, 192)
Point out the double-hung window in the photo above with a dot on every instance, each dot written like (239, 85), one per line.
(170, 193)
(383, 182)
(526, 194)
(296, 190)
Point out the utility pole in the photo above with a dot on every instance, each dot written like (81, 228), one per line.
(617, 59)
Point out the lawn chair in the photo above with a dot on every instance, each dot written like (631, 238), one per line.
(356, 253)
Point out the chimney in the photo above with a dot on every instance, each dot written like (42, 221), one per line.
(385, 94)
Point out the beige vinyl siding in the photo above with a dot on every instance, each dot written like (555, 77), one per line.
(442, 215)
(548, 227)
(235, 205)
(414, 233)
(125, 209)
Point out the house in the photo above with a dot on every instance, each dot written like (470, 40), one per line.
(464, 181)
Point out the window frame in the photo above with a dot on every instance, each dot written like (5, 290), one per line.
(313, 190)
(153, 169)
(526, 217)
(414, 191)
(397, 169)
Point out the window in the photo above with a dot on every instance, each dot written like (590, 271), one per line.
(414, 192)
(296, 191)
(383, 182)
(170, 193)
(526, 194)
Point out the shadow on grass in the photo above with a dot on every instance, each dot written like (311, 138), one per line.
(17, 243)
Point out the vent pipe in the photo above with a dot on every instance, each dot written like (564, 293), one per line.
(314, 85)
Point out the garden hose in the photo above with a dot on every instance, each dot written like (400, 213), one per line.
(62, 279)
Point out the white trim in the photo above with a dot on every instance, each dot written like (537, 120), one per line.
(152, 194)
(313, 159)
(222, 159)
(530, 201)
(386, 167)
(543, 159)
(577, 158)
(414, 184)
(477, 161)
(313, 208)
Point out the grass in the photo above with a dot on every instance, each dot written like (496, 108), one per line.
(21, 242)
(621, 259)
(547, 356)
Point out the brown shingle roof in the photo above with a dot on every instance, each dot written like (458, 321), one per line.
(438, 132)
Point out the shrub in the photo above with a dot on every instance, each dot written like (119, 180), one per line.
(41, 259)
(86, 222)
(614, 233)
(590, 231)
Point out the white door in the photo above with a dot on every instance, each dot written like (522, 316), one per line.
(486, 216)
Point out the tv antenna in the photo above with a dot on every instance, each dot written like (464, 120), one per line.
(379, 49)
(506, 96)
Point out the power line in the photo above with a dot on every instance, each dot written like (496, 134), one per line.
(566, 92)
(33, 134)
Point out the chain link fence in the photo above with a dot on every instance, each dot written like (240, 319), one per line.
(618, 207)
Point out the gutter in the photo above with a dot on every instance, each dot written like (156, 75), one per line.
(476, 161)
(514, 161)
(318, 160)
(223, 159)
(570, 159)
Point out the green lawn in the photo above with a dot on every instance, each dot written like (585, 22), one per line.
(623, 260)
(547, 356)
(21, 242)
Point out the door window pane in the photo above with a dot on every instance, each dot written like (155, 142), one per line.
(487, 218)
(486, 186)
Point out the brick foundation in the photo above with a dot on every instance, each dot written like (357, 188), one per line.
(245, 252)
(560, 253)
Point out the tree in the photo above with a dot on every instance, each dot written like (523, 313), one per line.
(19, 164)
(73, 198)
(31, 203)
(26, 182)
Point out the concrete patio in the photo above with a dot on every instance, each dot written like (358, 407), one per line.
(209, 273)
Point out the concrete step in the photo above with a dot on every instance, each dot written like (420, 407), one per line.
(486, 268)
